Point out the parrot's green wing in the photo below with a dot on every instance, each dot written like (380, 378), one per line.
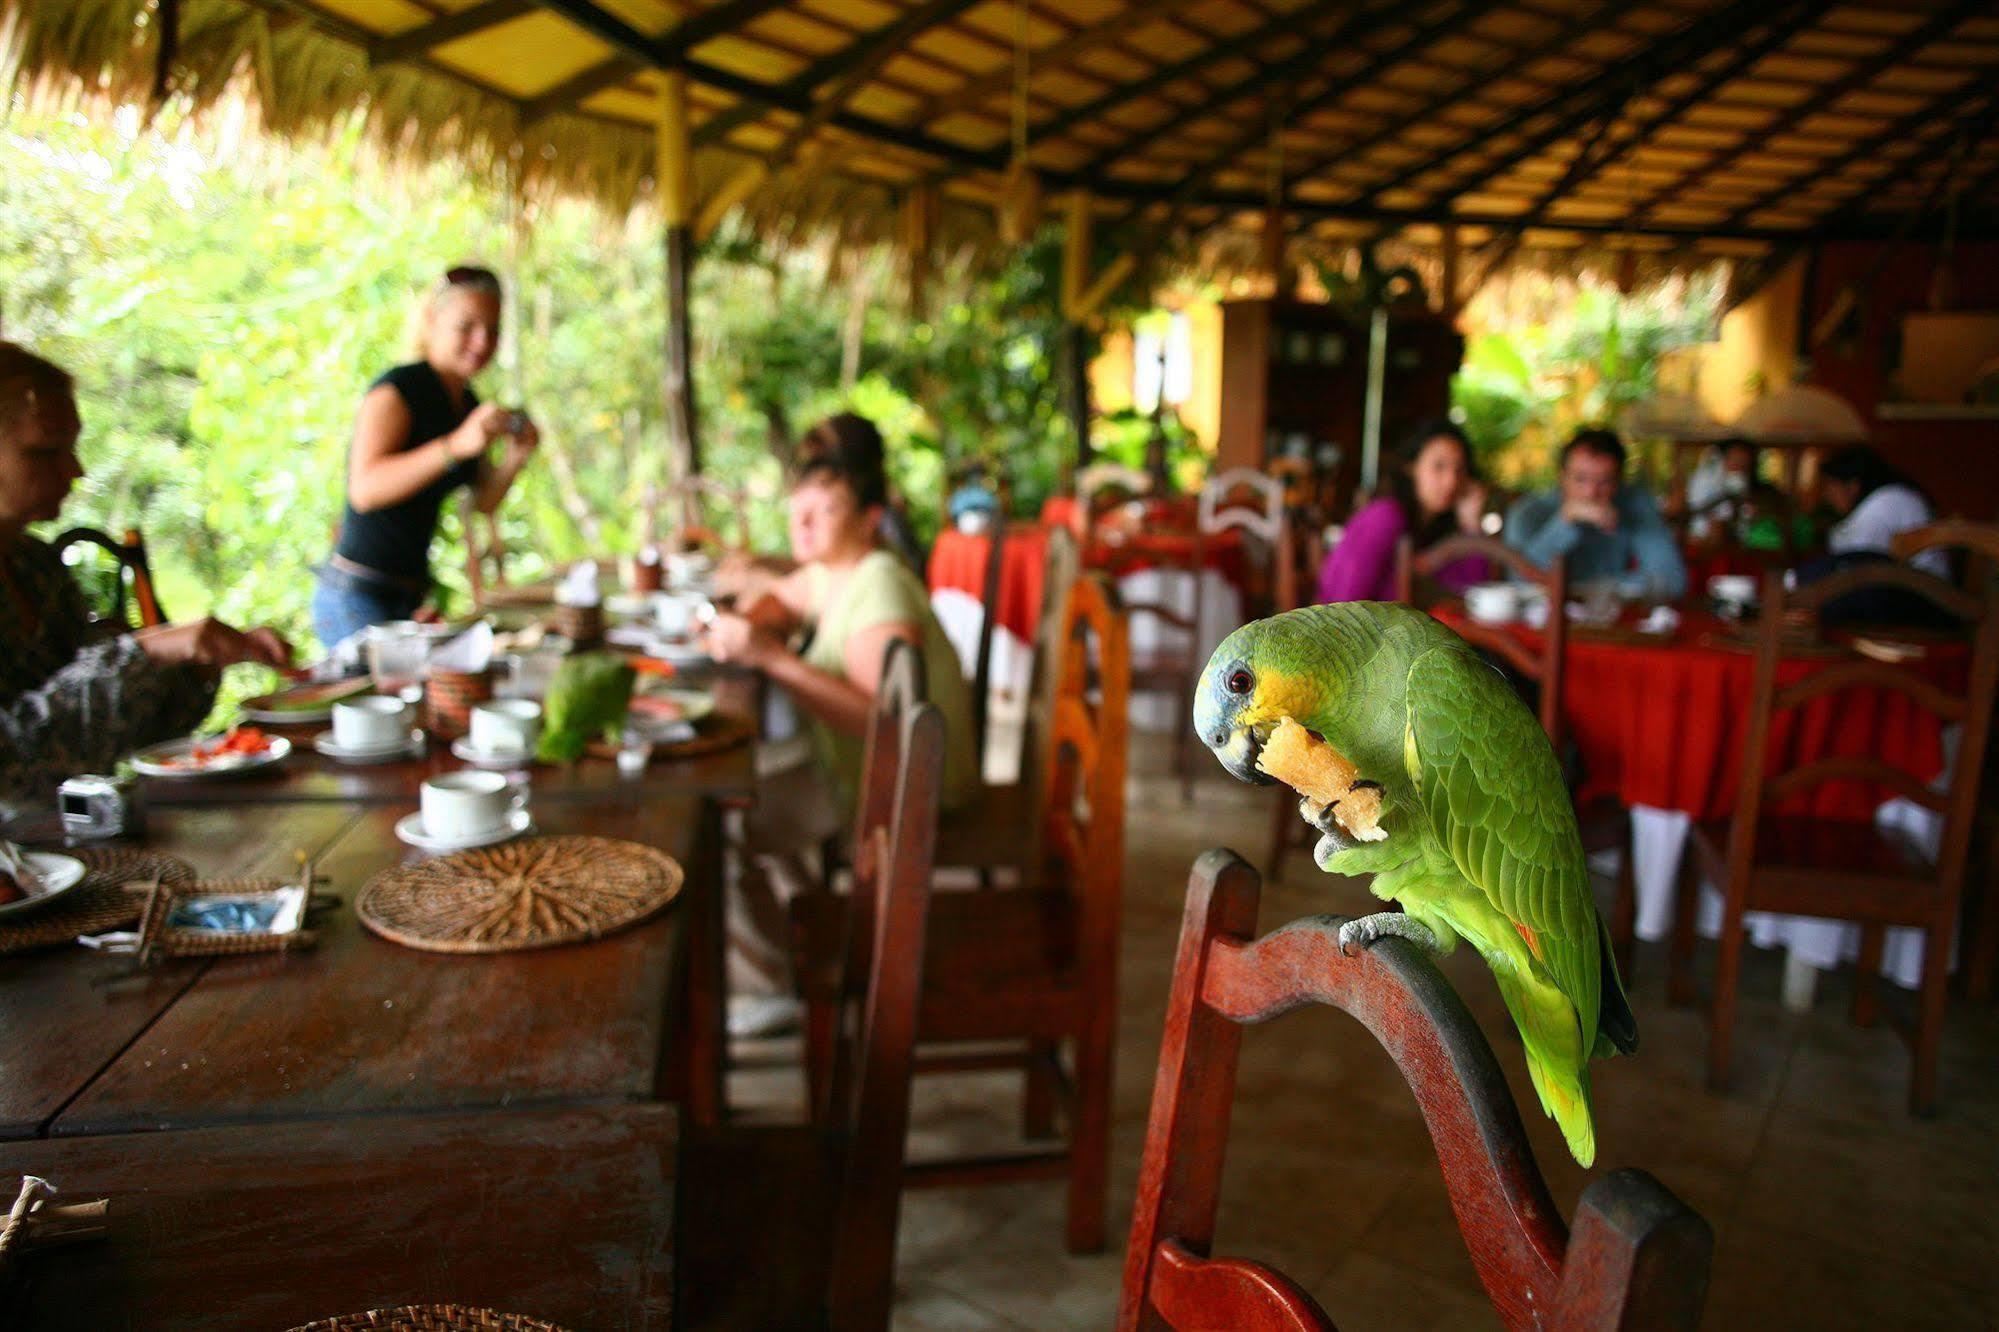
(1488, 781)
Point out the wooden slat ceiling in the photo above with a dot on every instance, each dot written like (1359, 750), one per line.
(1761, 120)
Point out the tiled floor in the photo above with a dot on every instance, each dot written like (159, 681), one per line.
(1833, 1208)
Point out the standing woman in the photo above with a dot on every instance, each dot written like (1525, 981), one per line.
(1433, 493)
(421, 434)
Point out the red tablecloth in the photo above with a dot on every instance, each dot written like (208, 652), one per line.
(1663, 724)
(958, 561)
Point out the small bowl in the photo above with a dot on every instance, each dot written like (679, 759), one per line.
(1493, 603)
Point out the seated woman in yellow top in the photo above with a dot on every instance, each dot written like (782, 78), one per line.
(858, 598)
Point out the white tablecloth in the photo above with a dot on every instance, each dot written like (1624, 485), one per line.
(1659, 839)
(1013, 660)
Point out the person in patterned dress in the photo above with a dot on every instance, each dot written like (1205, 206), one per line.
(73, 697)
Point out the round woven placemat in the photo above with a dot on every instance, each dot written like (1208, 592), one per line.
(430, 1318)
(101, 902)
(534, 893)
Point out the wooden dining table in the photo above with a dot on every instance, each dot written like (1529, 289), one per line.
(310, 1080)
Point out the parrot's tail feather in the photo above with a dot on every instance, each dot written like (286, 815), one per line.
(1616, 1024)
(1567, 1101)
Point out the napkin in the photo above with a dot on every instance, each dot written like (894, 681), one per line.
(1662, 620)
(468, 654)
(579, 586)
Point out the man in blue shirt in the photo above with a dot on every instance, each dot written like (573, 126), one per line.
(1608, 530)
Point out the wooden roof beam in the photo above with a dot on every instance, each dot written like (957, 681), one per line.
(1854, 79)
(1512, 69)
(1599, 154)
(851, 66)
(1976, 124)
(449, 28)
(1304, 22)
(1586, 101)
(1358, 26)
(1065, 53)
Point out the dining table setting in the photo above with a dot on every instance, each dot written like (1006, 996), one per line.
(1656, 700)
(370, 967)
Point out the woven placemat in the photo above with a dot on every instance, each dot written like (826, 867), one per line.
(430, 1318)
(101, 902)
(534, 893)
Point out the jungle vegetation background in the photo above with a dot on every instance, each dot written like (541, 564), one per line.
(223, 299)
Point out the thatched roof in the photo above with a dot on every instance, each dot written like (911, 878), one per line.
(1696, 125)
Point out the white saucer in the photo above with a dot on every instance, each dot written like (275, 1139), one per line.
(491, 758)
(410, 829)
(323, 742)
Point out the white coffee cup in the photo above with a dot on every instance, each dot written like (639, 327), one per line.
(1739, 589)
(506, 726)
(677, 613)
(461, 806)
(1492, 603)
(375, 721)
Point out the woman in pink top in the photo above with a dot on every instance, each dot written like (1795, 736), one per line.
(1434, 492)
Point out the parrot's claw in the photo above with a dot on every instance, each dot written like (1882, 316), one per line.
(1333, 839)
(1387, 924)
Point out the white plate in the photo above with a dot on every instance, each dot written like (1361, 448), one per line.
(406, 748)
(630, 603)
(410, 829)
(59, 874)
(491, 758)
(147, 761)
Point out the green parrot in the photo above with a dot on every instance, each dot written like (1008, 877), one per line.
(1482, 842)
(587, 699)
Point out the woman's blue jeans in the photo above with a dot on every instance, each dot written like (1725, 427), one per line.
(345, 603)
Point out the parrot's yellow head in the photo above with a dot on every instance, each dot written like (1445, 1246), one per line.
(1248, 687)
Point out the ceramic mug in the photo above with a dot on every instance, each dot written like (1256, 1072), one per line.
(506, 726)
(463, 806)
(677, 613)
(1492, 603)
(375, 721)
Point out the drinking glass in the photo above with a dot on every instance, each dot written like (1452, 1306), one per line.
(396, 659)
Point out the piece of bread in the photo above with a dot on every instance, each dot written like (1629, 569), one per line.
(1323, 775)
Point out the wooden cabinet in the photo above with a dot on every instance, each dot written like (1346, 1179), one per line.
(1295, 376)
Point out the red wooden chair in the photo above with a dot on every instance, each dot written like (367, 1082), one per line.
(1636, 1260)
(1851, 870)
(794, 1227)
(135, 571)
(1975, 547)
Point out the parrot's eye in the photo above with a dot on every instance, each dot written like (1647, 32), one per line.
(1240, 680)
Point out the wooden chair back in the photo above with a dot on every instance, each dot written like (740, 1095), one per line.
(134, 587)
(982, 665)
(1637, 1258)
(894, 841)
(1976, 544)
(1100, 485)
(1413, 567)
(1247, 500)
(1970, 710)
(1082, 825)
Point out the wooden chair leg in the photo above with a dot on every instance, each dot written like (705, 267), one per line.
(1686, 908)
(1283, 815)
(1090, 1134)
(1928, 1044)
(1867, 976)
(822, 1030)
(1984, 944)
(1727, 982)
(1624, 911)
(1037, 1110)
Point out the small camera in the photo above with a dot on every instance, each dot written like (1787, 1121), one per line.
(517, 421)
(95, 807)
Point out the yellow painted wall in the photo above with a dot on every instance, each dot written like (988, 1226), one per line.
(1758, 343)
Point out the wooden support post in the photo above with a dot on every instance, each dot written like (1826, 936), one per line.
(1076, 251)
(676, 205)
(1449, 281)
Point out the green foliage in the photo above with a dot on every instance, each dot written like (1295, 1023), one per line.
(223, 306)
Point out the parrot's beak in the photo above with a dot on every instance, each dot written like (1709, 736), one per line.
(1239, 756)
